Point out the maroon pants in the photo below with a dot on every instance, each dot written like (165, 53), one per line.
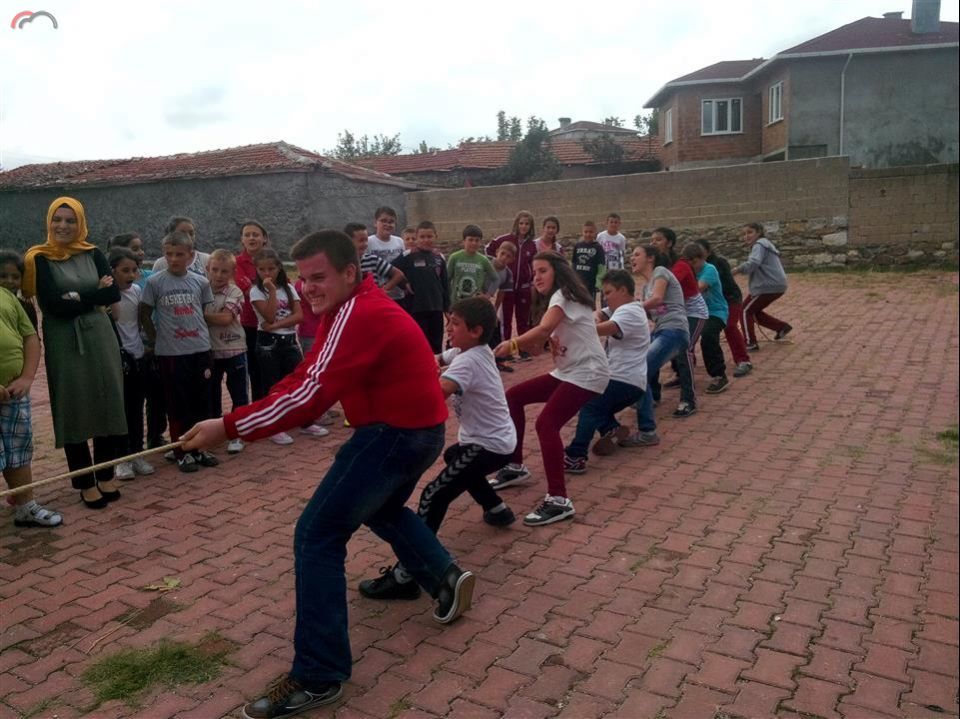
(516, 303)
(562, 401)
(753, 313)
(738, 347)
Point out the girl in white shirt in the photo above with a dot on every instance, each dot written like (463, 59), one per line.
(581, 373)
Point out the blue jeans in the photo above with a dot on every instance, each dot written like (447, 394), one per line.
(664, 346)
(597, 415)
(371, 478)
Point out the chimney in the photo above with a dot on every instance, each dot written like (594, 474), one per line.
(893, 15)
(564, 122)
(925, 16)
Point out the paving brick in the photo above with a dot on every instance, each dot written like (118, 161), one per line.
(933, 690)
(719, 672)
(816, 697)
(877, 693)
(755, 700)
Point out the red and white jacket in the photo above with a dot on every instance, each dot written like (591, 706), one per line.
(371, 356)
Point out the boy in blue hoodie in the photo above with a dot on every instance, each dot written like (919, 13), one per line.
(767, 283)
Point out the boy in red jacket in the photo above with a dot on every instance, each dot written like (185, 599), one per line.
(398, 418)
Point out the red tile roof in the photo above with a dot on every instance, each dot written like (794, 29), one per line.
(725, 70)
(874, 32)
(491, 155)
(246, 160)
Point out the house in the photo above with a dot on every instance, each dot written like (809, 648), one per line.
(290, 190)
(882, 91)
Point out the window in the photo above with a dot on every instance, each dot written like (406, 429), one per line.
(775, 112)
(668, 127)
(722, 116)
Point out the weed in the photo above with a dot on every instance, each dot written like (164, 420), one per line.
(656, 650)
(39, 708)
(951, 435)
(398, 708)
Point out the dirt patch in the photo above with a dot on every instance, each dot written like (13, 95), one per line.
(63, 634)
(37, 545)
(156, 609)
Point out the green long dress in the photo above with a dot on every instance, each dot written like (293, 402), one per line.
(81, 350)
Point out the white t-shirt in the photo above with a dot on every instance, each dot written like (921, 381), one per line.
(614, 249)
(627, 354)
(387, 251)
(480, 403)
(696, 306)
(284, 309)
(580, 358)
(126, 315)
(198, 266)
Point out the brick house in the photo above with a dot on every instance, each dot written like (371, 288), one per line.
(882, 91)
(290, 190)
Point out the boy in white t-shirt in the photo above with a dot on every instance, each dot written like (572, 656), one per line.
(613, 243)
(485, 441)
(624, 323)
(386, 245)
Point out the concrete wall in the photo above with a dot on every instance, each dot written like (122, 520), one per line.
(288, 204)
(819, 212)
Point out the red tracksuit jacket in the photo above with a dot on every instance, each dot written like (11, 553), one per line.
(371, 356)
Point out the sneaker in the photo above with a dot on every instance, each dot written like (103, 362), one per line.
(502, 518)
(170, 455)
(574, 465)
(326, 419)
(206, 459)
(281, 438)
(315, 430)
(455, 594)
(718, 385)
(743, 369)
(553, 509)
(684, 409)
(753, 347)
(641, 439)
(675, 382)
(782, 333)
(142, 466)
(510, 475)
(235, 446)
(188, 464)
(31, 514)
(124, 471)
(609, 442)
(504, 367)
(287, 697)
(386, 586)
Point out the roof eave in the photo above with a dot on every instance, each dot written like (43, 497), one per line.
(850, 51)
(653, 102)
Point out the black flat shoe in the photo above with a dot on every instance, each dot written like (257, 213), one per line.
(110, 496)
(98, 503)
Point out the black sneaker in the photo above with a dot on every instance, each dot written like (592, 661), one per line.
(718, 385)
(205, 459)
(553, 509)
(753, 347)
(783, 332)
(743, 369)
(502, 518)
(455, 594)
(287, 697)
(510, 475)
(675, 382)
(188, 464)
(504, 367)
(386, 586)
(574, 465)
(684, 409)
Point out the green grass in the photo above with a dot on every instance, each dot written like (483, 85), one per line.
(398, 708)
(951, 435)
(131, 673)
(946, 453)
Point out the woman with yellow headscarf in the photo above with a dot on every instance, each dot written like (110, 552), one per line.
(73, 285)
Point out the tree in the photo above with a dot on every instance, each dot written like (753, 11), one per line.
(613, 121)
(424, 149)
(648, 123)
(350, 147)
(604, 149)
(531, 160)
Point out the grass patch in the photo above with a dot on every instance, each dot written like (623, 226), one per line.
(951, 435)
(40, 707)
(398, 708)
(656, 651)
(946, 453)
(131, 673)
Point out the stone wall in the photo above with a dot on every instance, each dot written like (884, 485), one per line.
(819, 212)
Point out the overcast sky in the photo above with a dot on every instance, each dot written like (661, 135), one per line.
(122, 79)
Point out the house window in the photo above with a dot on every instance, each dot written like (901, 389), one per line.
(668, 127)
(721, 116)
(775, 112)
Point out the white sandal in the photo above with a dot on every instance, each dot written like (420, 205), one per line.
(32, 514)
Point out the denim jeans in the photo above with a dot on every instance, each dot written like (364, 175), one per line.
(597, 415)
(664, 345)
(371, 478)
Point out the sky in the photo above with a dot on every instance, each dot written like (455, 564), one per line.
(122, 79)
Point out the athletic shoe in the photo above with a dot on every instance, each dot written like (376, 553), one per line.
(188, 464)
(142, 466)
(504, 367)
(206, 459)
(574, 465)
(675, 382)
(684, 409)
(124, 471)
(31, 514)
(781, 333)
(502, 518)
(510, 475)
(743, 369)
(281, 438)
(455, 594)
(753, 347)
(170, 455)
(315, 430)
(641, 439)
(553, 509)
(718, 385)
(609, 442)
(386, 586)
(235, 446)
(326, 419)
(287, 697)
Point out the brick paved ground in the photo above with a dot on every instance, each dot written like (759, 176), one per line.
(789, 551)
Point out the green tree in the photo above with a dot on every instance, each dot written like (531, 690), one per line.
(647, 123)
(604, 149)
(531, 160)
(613, 121)
(350, 147)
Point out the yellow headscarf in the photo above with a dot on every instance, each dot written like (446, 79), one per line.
(52, 249)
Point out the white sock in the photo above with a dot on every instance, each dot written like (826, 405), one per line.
(499, 508)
